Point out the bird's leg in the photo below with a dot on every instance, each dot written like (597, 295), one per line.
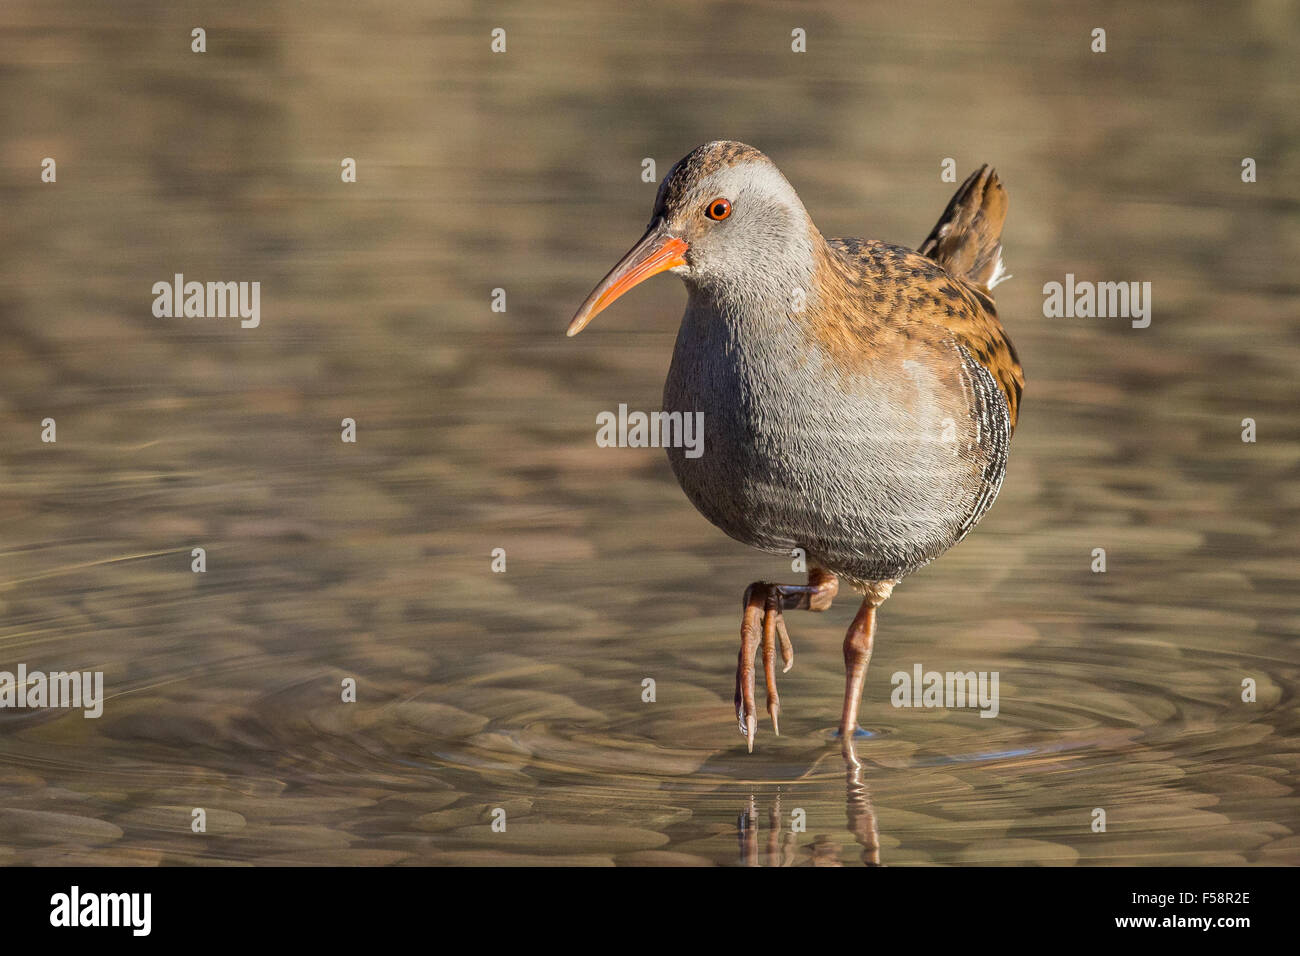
(857, 654)
(770, 600)
(745, 665)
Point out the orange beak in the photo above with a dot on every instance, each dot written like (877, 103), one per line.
(655, 253)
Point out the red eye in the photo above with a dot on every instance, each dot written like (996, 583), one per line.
(719, 209)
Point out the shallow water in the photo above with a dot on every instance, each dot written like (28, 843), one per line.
(523, 690)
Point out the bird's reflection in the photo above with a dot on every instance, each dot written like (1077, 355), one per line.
(780, 846)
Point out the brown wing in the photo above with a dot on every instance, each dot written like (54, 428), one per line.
(967, 242)
(975, 325)
(892, 292)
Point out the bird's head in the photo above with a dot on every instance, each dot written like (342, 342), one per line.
(724, 219)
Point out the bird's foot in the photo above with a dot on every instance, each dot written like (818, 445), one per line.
(763, 624)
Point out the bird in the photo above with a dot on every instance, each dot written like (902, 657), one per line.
(859, 397)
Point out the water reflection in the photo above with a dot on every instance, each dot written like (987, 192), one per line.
(861, 815)
(781, 846)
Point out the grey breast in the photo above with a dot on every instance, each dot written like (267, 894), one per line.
(873, 476)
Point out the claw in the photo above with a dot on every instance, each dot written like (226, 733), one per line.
(771, 610)
(787, 649)
(755, 599)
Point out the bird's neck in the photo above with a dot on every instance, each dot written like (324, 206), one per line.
(806, 311)
(771, 296)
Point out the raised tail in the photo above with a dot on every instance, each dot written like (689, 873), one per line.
(967, 240)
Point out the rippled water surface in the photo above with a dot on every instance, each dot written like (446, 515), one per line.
(523, 691)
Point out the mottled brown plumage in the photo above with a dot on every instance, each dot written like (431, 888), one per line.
(859, 397)
(889, 296)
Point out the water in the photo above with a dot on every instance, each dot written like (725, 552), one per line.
(523, 691)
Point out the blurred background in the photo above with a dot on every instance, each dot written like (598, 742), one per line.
(523, 690)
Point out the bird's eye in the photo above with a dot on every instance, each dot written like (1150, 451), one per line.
(718, 210)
